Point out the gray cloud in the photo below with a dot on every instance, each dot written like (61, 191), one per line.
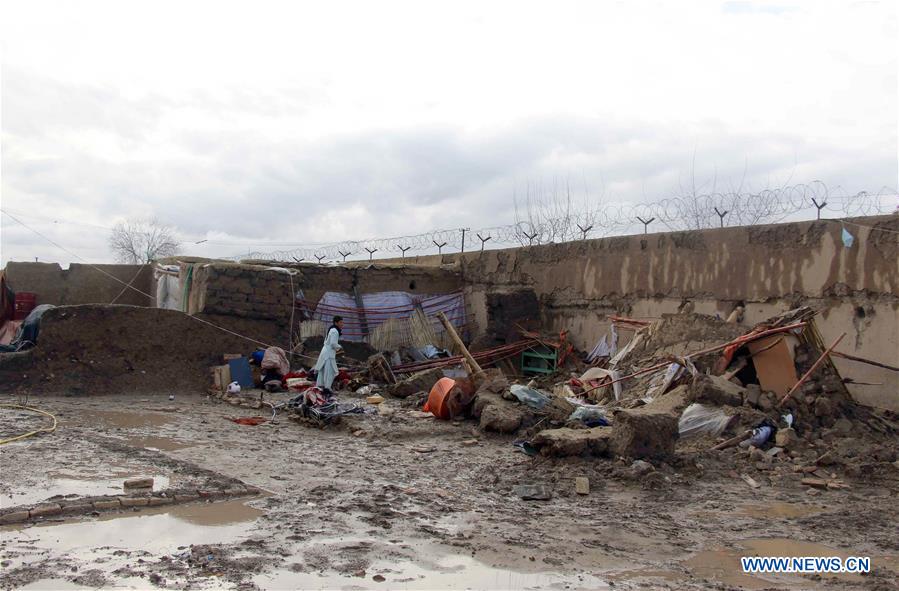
(247, 184)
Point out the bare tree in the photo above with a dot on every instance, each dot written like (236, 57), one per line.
(546, 216)
(142, 241)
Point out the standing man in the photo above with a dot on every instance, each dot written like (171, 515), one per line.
(326, 366)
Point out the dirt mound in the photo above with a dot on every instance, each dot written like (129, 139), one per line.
(679, 334)
(96, 349)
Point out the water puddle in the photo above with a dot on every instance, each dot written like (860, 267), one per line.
(51, 585)
(779, 509)
(646, 573)
(73, 486)
(449, 572)
(410, 564)
(157, 530)
(64, 585)
(723, 565)
(155, 443)
(131, 420)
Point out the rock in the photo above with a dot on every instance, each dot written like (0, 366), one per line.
(774, 451)
(374, 399)
(558, 410)
(422, 381)
(843, 426)
(674, 401)
(532, 492)
(767, 400)
(716, 390)
(643, 433)
(786, 438)
(654, 481)
(641, 467)
(752, 394)
(503, 417)
(828, 458)
(494, 381)
(582, 485)
(470, 442)
(757, 455)
(573, 442)
(824, 407)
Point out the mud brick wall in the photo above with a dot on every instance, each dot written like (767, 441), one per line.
(82, 284)
(242, 290)
(255, 301)
(771, 268)
(370, 278)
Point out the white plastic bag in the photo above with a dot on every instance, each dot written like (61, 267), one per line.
(699, 419)
(233, 388)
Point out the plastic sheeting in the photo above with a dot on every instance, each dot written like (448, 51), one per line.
(699, 419)
(604, 348)
(384, 306)
(168, 287)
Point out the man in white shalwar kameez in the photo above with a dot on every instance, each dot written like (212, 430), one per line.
(326, 366)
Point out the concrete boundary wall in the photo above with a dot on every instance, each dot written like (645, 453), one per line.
(771, 268)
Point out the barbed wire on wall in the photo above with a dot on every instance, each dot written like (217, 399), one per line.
(542, 224)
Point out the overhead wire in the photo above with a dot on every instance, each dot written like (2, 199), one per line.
(140, 291)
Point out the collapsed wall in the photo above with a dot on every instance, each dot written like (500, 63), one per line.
(770, 268)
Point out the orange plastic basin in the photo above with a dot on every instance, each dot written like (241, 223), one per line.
(437, 399)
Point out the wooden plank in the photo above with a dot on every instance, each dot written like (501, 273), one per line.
(451, 331)
(774, 365)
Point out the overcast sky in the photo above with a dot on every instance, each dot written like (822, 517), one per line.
(256, 122)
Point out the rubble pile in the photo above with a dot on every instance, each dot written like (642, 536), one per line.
(685, 390)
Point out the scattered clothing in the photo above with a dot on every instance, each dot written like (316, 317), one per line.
(251, 421)
(275, 358)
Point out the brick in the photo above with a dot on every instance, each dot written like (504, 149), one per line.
(186, 497)
(48, 510)
(108, 505)
(77, 508)
(134, 501)
(139, 483)
(14, 517)
(212, 493)
(157, 501)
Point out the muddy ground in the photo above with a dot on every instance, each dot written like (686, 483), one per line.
(402, 501)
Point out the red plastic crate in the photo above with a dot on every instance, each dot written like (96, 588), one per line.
(24, 304)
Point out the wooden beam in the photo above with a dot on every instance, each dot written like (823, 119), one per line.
(451, 331)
